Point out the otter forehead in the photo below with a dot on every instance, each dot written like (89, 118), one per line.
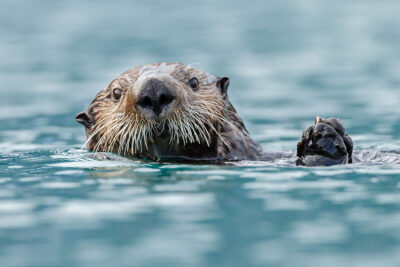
(176, 70)
(162, 71)
(158, 69)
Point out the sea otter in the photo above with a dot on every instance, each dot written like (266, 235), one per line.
(174, 112)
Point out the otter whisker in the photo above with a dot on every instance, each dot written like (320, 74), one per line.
(123, 134)
(197, 129)
(115, 124)
(187, 129)
(215, 130)
(203, 131)
(126, 138)
(101, 124)
(93, 134)
(220, 118)
(113, 135)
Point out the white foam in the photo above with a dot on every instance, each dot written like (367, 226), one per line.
(69, 172)
(29, 179)
(59, 185)
(146, 170)
(90, 164)
(4, 180)
(9, 206)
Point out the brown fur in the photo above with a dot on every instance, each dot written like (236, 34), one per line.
(200, 125)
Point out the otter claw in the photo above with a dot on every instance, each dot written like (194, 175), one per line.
(324, 144)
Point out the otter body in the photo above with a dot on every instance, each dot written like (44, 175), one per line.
(173, 112)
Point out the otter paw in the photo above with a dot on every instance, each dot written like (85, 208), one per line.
(324, 144)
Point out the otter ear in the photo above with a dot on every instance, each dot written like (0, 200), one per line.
(84, 118)
(223, 84)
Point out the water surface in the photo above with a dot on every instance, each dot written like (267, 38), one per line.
(288, 61)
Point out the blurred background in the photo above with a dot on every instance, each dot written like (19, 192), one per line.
(288, 61)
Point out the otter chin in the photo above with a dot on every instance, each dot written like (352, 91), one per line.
(174, 112)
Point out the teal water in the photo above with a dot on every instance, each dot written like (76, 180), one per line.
(288, 61)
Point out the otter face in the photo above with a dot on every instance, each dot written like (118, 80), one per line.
(157, 110)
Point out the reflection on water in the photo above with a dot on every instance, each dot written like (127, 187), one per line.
(288, 62)
(106, 212)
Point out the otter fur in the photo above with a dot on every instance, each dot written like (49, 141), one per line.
(173, 112)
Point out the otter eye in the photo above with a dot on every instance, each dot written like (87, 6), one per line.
(194, 84)
(117, 93)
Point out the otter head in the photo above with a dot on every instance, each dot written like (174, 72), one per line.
(165, 111)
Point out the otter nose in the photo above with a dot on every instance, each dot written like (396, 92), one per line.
(155, 96)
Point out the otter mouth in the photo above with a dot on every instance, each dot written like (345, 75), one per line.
(161, 131)
(158, 115)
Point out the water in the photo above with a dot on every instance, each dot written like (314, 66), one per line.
(288, 62)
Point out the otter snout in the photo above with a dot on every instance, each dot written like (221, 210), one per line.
(155, 98)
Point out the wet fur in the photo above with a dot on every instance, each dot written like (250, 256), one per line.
(200, 125)
(203, 125)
